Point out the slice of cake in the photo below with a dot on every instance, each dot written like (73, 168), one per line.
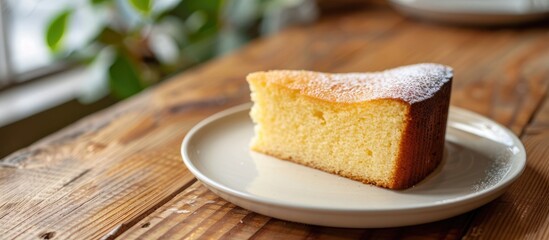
(383, 128)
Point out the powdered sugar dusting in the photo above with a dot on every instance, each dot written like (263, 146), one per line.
(413, 83)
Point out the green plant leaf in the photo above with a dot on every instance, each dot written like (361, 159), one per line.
(56, 29)
(143, 6)
(124, 80)
(98, 2)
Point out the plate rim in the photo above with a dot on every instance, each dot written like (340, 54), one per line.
(461, 200)
(468, 9)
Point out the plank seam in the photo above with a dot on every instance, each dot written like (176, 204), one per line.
(535, 113)
(125, 226)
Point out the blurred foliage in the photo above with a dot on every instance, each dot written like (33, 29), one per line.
(144, 6)
(140, 42)
(56, 30)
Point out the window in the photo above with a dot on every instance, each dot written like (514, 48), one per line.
(23, 52)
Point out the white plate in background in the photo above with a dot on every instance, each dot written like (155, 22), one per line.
(481, 159)
(475, 12)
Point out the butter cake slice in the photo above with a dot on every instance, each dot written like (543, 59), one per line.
(382, 128)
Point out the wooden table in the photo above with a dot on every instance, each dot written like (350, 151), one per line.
(119, 174)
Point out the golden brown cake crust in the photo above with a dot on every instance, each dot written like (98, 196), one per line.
(422, 147)
(411, 84)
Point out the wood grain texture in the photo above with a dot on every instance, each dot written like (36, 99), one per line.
(119, 172)
(85, 189)
(198, 213)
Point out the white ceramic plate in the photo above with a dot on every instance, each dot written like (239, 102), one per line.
(475, 12)
(481, 159)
